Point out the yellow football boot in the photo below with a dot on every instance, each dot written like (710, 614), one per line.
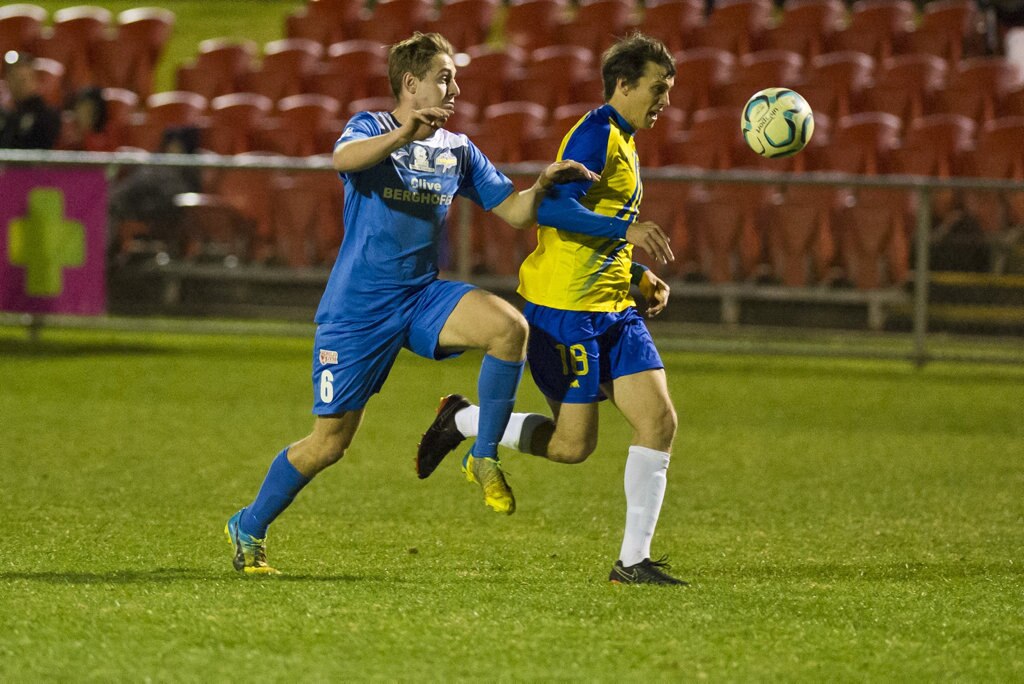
(488, 473)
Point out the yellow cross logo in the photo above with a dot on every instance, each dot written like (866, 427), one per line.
(45, 243)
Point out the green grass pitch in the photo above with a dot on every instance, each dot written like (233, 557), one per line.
(839, 521)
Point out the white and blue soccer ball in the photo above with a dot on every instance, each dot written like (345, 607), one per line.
(777, 122)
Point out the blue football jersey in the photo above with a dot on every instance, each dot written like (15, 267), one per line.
(394, 216)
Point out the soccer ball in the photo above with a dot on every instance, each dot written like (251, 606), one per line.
(777, 122)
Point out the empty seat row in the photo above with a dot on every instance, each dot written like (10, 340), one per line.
(93, 46)
(246, 216)
(948, 28)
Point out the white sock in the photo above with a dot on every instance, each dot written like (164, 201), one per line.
(467, 419)
(518, 433)
(645, 490)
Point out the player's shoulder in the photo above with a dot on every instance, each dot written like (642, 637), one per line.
(594, 125)
(376, 122)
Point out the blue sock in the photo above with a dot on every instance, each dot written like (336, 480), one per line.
(496, 388)
(279, 488)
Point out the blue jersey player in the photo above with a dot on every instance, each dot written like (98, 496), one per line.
(401, 172)
(587, 341)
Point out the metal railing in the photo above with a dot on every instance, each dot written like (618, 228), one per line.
(922, 187)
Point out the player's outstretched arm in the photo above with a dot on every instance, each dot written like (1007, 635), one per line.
(520, 208)
(362, 153)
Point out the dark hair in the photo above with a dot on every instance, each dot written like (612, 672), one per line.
(95, 96)
(415, 55)
(628, 58)
(188, 136)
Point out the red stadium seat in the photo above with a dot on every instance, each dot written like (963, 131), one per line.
(699, 73)
(948, 29)
(234, 120)
(465, 22)
(664, 203)
(933, 146)
(876, 27)
(654, 147)
(287, 65)
(977, 85)
(325, 21)
(171, 109)
(598, 23)
(485, 79)
(176, 108)
(395, 20)
(862, 143)
(463, 120)
(353, 69)
(550, 73)
(21, 26)
(905, 86)
(530, 24)
(734, 25)
(121, 104)
(835, 80)
(307, 218)
(75, 31)
(302, 122)
(545, 147)
(999, 154)
(719, 229)
(713, 138)
(50, 78)
(252, 194)
(505, 128)
(798, 234)
(143, 32)
(805, 27)
(219, 68)
(873, 247)
(672, 21)
(758, 70)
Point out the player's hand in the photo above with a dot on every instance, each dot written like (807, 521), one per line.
(565, 171)
(423, 122)
(649, 237)
(655, 291)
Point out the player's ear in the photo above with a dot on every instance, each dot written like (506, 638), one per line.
(624, 85)
(409, 82)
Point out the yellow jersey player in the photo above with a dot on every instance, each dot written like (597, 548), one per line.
(587, 342)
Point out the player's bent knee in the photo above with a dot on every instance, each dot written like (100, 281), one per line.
(511, 342)
(659, 430)
(572, 452)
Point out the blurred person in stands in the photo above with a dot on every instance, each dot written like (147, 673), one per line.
(146, 195)
(87, 128)
(26, 122)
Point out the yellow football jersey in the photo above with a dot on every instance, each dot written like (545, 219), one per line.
(582, 272)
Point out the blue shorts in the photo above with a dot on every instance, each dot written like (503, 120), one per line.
(352, 360)
(571, 353)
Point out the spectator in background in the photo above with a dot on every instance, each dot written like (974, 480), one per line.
(145, 197)
(86, 130)
(29, 123)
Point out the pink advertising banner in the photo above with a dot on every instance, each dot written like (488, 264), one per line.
(53, 240)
